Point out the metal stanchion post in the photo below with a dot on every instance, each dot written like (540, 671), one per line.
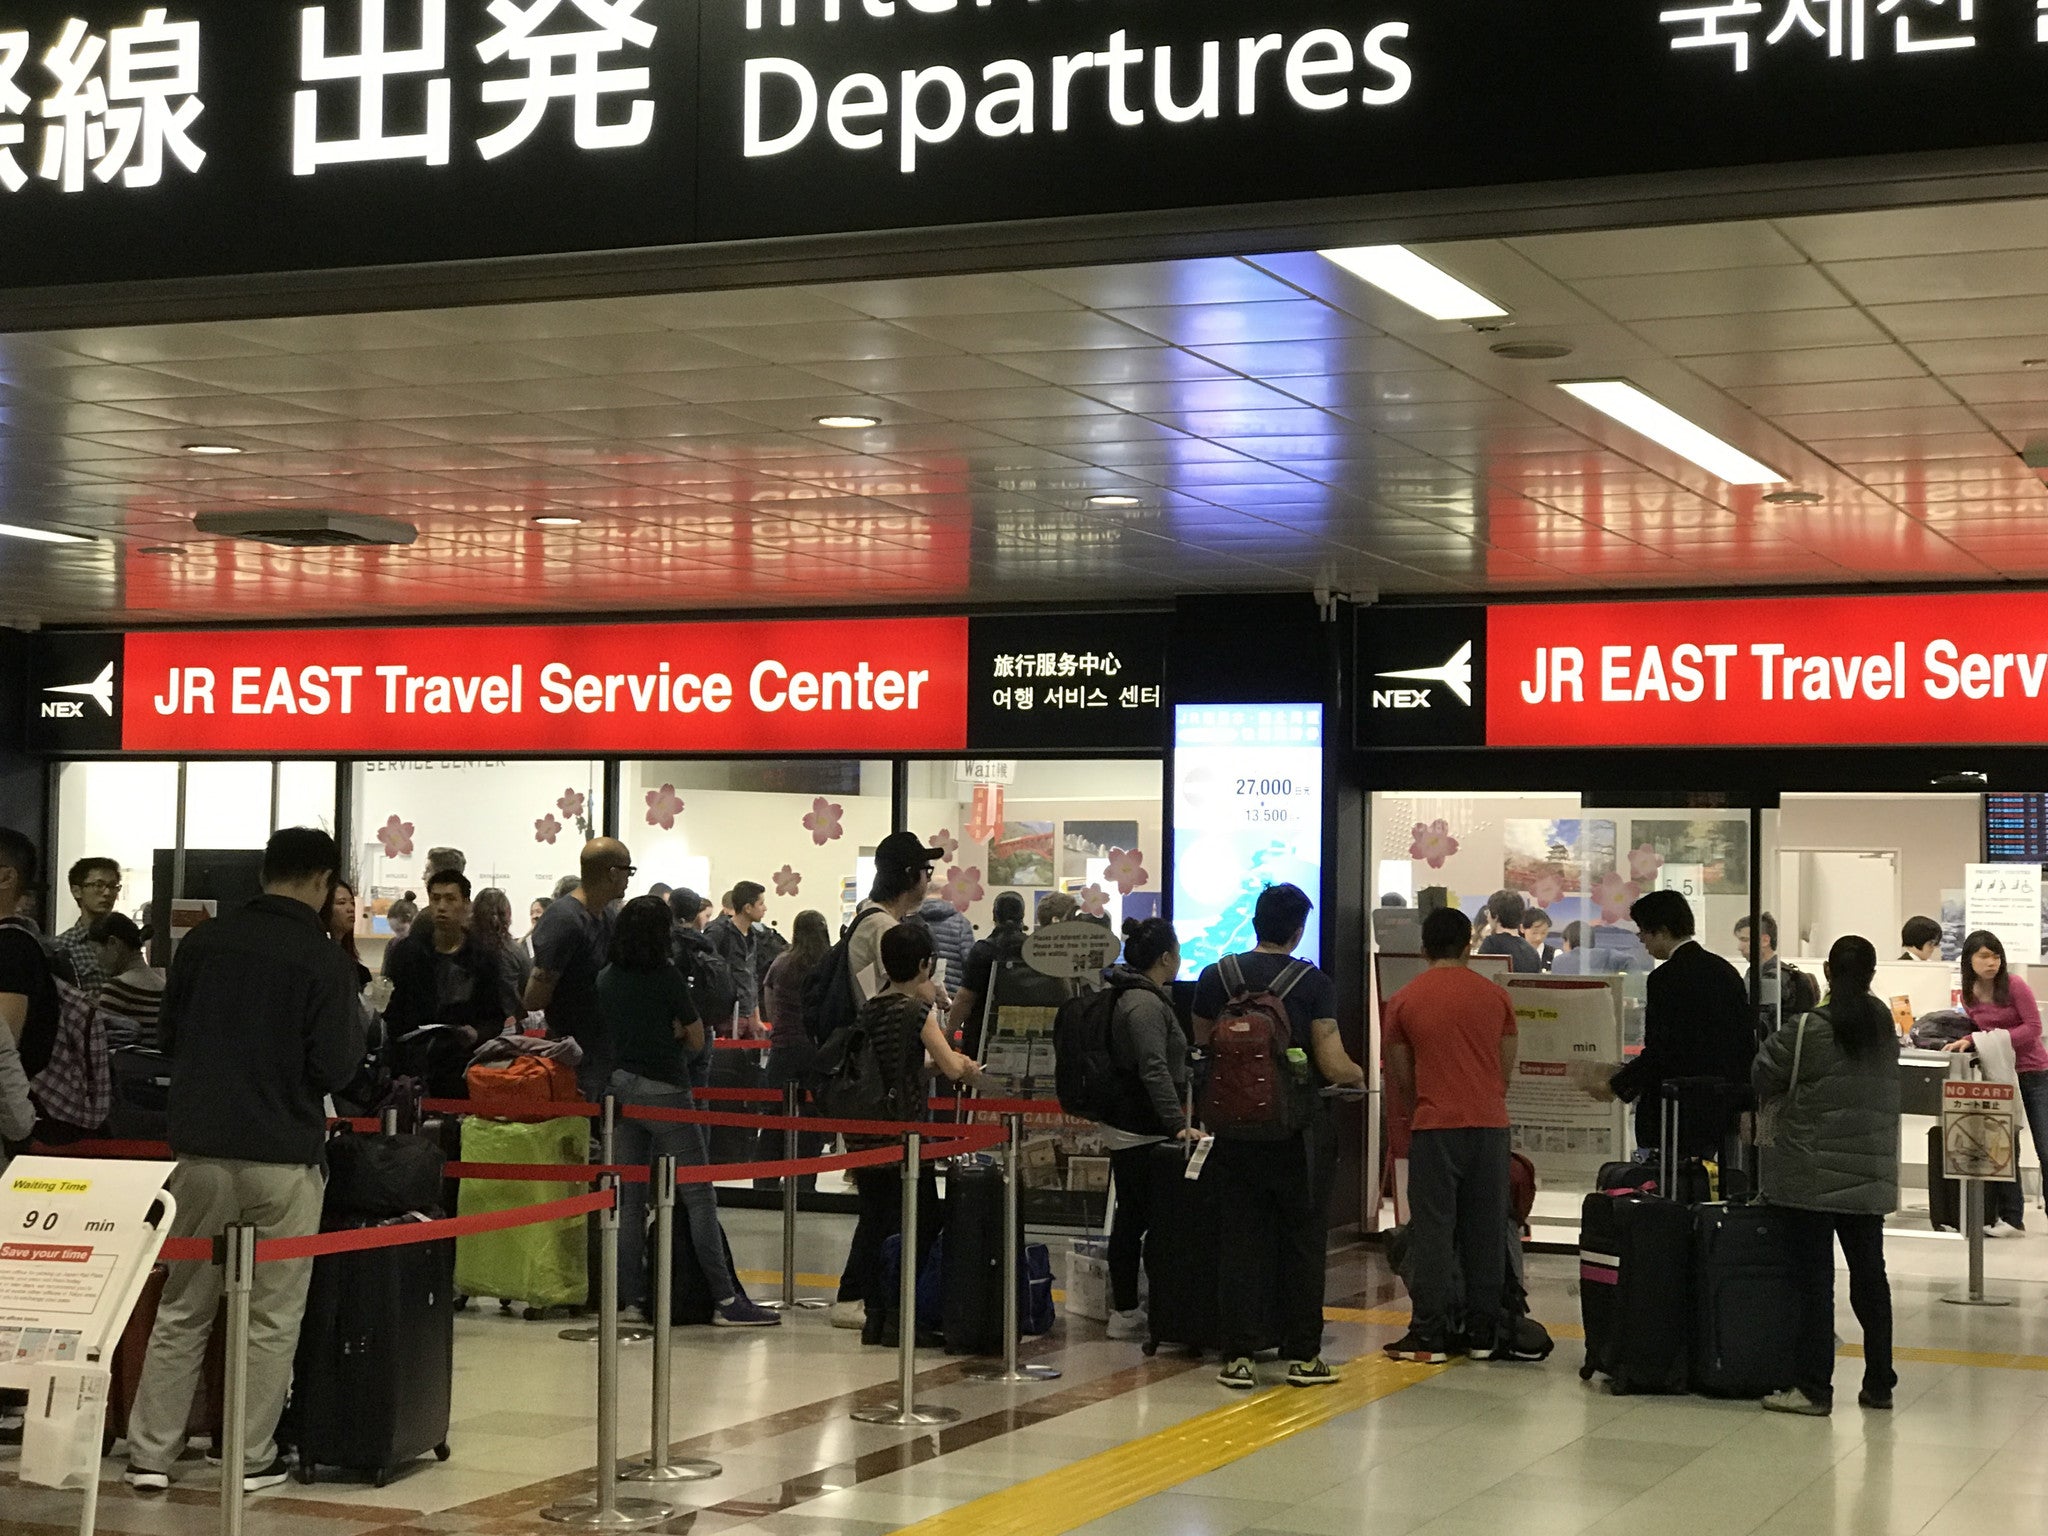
(606, 1511)
(792, 1101)
(631, 1333)
(657, 1468)
(1010, 1370)
(1973, 1237)
(239, 1262)
(904, 1412)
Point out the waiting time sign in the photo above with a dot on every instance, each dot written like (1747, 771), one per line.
(1910, 670)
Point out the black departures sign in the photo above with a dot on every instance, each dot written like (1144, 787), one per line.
(74, 694)
(1067, 682)
(1420, 677)
(208, 137)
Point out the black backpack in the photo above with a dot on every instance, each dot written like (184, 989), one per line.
(712, 990)
(831, 1002)
(851, 1083)
(1090, 1084)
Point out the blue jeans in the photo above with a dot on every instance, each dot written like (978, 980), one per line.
(641, 1142)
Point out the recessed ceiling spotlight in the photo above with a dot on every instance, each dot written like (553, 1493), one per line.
(558, 520)
(1642, 413)
(1530, 351)
(42, 535)
(1115, 500)
(1794, 498)
(212, 450)
(1399, 272)
(848, 422)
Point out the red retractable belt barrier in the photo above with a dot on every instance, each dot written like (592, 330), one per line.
(359, 1239)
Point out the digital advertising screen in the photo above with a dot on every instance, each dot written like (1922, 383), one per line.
(1247, 813)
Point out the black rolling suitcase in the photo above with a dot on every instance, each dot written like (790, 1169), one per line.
(1745, 1301)
(736, 1069)
(971, 1277)
(1181, 1254)
(372, 1379)
(1635, 1291)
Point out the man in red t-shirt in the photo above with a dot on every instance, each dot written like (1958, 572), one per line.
(1450, 1051)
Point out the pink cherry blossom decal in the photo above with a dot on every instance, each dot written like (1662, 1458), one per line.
(1432, 843)
(945, 842)
(1126, 870)
(547, 829)
(1547, 889)
(1614, 896)
(962, 887)
(396, 836)
(1095, 901)
(571, 804)
(664, 805)
(1643, 863)
(786, 881)
(823, 821)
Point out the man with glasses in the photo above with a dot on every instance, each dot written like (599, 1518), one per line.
(95, 886)
(570, 946)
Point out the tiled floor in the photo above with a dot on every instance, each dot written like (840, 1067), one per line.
(1470, 1451)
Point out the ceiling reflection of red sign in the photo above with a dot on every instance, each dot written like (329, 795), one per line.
(877, 685)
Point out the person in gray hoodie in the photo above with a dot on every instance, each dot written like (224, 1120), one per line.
(1151, 1050)
(952, 935)
(1828, 1084)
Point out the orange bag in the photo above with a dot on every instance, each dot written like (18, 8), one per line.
(542, 1079)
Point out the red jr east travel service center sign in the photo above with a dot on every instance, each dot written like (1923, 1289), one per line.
(875, 687)
(1937, 669)
(860, 686)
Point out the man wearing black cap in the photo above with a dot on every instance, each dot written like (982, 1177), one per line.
(903, 873)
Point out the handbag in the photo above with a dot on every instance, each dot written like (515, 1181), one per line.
(1769, 1113)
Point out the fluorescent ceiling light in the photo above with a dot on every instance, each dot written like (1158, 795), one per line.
(1115, 500)
(1396, 270)
(212, 450)
(1660, 424)
(559, 522)
(42, 535)
(849, 421)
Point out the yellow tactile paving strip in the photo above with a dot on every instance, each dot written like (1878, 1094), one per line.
(1115, 1479)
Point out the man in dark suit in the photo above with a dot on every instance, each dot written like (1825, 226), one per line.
(1697, 1023)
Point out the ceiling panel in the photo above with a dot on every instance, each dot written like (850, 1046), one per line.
(1280, 422)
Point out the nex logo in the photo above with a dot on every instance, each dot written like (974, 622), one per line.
(100, 690)
(1455, 674)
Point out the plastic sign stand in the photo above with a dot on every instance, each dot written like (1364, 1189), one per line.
(77, 1241)
(1075, 950)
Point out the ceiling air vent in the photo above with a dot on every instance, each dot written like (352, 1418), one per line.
(306, 530)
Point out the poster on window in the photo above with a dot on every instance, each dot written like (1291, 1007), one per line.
(2006, 900)
(1568, 1029)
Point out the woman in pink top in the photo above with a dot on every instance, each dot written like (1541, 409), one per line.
(1996, 999)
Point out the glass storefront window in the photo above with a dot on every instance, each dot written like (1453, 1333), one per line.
(520, 826)
(1085, 827)
(800, 827)
(129, 812)
(119, 811)
(1582, 861)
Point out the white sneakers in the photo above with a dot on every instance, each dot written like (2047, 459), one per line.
(1129, 1327)
(849, 1314)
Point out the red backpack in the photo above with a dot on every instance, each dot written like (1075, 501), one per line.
(1253, 1093)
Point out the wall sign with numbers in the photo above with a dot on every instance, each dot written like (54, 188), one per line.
(369, 132)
